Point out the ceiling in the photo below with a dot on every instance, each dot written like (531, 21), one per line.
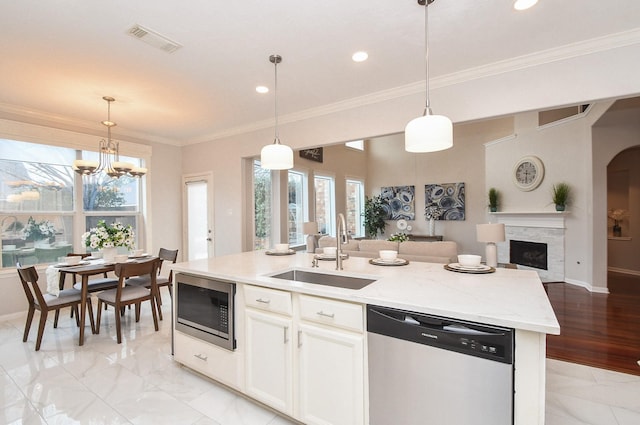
(59, 57)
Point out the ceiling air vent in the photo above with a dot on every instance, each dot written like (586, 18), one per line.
(154, 39)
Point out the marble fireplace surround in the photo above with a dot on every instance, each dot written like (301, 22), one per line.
(544, 227)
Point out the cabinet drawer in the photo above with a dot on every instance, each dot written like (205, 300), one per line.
(268, 299)
(332, 312)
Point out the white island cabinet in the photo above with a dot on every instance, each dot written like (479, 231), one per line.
(319, 352)
(301, 348)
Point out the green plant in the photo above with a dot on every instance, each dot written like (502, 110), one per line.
(374, 215)
(561, 192)
(493, 199)
(399, 237)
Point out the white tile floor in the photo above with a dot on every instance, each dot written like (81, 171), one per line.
(138, 382)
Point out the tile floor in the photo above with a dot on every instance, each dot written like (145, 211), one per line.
(137, 382)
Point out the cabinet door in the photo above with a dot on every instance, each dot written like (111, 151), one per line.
(269, 360)
(331, 376)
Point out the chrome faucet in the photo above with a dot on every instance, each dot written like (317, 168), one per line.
(341, 238)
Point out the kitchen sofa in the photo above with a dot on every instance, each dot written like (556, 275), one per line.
(431, 252)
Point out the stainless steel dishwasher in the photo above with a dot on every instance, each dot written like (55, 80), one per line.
(426, 369)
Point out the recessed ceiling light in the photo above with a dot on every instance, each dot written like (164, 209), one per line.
(360, 56)
(262, 89)
(524, 4)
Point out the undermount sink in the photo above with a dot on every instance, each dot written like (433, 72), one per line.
(348, 282)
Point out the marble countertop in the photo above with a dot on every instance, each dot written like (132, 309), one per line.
(508, 297)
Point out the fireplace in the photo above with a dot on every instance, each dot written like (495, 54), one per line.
(531, 254)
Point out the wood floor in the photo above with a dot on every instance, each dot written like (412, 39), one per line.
(600, 330)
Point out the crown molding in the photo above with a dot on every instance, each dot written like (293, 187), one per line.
(568, 51)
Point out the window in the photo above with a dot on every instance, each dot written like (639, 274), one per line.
(38, 209)
(262, 206)
(325, 208)
(355, 207)
(296, 205)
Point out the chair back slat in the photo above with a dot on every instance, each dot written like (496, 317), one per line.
(140, 268)
(167, 255)
(29, 279)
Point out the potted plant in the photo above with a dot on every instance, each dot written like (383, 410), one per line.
(560, 195)
(374, 215)
(493, 199)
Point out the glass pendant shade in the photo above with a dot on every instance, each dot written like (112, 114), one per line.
(276, 157)
(429, 133)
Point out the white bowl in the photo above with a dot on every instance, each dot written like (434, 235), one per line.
(388, 255)
(72, 260)
(121, 258)
(469, 260)
(281, 247)
(96, 254)
(138, 252)
(330, 251)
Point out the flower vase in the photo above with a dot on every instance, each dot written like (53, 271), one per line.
(432, 227)
(109, 254)
(617, 230)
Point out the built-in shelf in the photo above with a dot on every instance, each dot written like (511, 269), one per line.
(619, 238)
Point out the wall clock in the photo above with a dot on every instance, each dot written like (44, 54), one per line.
(528, 173)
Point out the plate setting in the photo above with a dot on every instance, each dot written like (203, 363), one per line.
(327, 257)
(271, 252)
(480, 269)
(381, 262)
(81, 263)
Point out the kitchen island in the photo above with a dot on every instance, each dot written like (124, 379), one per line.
(508, 298)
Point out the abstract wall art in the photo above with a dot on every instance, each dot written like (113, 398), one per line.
(399, 202)
(448, 197)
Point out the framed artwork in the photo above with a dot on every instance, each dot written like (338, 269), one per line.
(399, 202)
(448, 198)
(314, 154)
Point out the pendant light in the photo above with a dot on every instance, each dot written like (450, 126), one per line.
(109, 153)
(276, 156)
(428, 133)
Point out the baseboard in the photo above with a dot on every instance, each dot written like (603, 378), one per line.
(624, 271)
(11, 316)
(589, 287)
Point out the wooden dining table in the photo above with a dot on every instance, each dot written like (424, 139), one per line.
(85, 271)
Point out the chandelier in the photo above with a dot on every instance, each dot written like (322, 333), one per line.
(109, 160)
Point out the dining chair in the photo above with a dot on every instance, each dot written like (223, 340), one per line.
(47, 302)
(163, 255)
(124, 295)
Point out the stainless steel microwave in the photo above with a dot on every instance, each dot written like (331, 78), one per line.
(205, 309)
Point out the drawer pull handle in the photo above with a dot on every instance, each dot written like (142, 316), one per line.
(286, 330)
(322, 313)
(260, 300)
(299, 339)
(201, 357)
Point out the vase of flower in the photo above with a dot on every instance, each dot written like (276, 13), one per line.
(431, 213)
(617, 229)
(39, 233)
(109, 254)
(108, 237)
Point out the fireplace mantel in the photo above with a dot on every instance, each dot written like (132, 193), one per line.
(548, 219)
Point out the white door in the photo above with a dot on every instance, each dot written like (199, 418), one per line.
(198, 216)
